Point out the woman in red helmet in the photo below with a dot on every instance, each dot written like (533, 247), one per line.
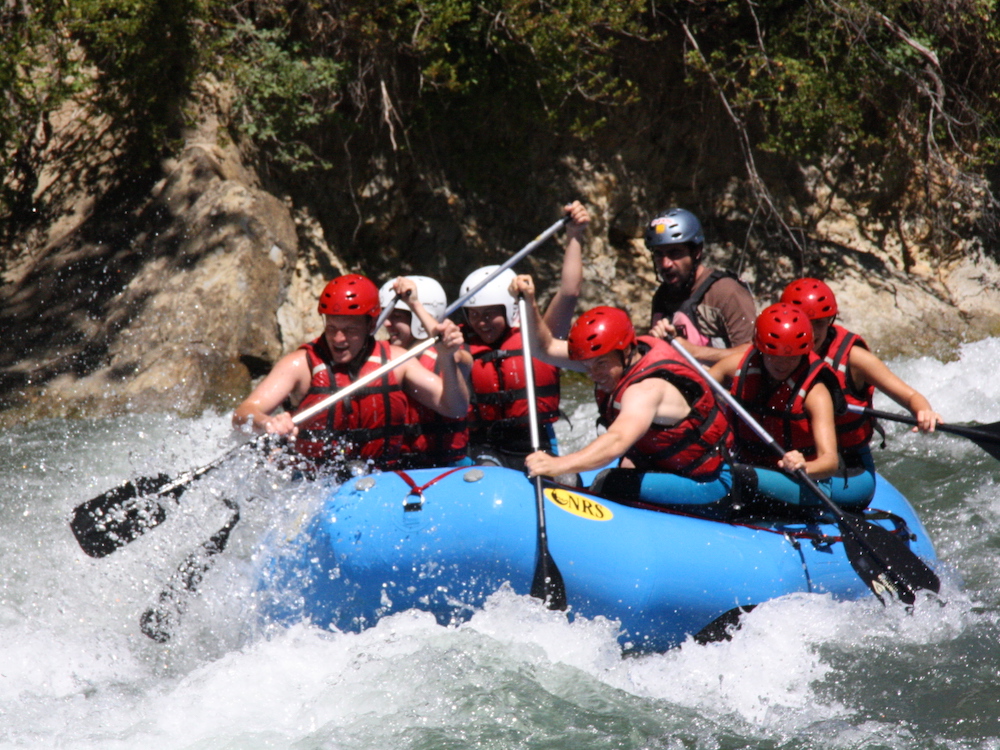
(661, 416)
(791, 392)
(859, 373)
(369, 424)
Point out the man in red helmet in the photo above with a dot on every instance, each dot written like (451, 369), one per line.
(662, 418)
(369, 425)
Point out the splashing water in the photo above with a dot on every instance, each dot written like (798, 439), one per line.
(803, 672)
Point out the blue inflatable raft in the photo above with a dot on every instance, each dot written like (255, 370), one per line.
(444, 540)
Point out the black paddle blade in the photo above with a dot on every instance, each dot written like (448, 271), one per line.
(986, 436)
(161, 620)
(547, 584)
(885, 562)
(112, 520)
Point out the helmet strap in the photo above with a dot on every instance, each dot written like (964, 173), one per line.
(627, 355)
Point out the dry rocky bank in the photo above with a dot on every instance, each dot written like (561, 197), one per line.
(210, 278)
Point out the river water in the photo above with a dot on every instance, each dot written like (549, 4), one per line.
(804, 671)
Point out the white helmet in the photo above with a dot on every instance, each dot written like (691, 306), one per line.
(429, 292)
(497, 292)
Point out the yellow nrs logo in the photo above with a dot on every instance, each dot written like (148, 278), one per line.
(579, 505)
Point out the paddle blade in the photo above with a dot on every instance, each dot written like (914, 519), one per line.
(547, 584)
(885, 562)
(161, 620)
(986, 436)
(120, 515)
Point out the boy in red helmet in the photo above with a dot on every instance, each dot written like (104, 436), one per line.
(791, 393)
(368, 425)
(661, 415)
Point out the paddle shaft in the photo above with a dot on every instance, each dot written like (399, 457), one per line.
(386, 311)
(161, 619)
(548, 583)
(321, 405)
(524, 251)
(754, 425)
(972, 433)
(343, 393)
(364, 380)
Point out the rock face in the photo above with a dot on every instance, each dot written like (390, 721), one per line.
(204, 271)
(176, 295)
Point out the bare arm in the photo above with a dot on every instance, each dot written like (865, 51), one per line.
(639, 404)
(725, 369)
(546, 347)
(866, 368)
(708, 355)
(446, 392)
(407, 289)
(559, 314)
(819, 409)
(290, 376)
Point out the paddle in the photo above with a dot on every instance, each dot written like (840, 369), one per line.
(386, 311)
(126, 512)
(547, 583)
(881, 559)
(158, 622)
(122, 514)
(986, 436)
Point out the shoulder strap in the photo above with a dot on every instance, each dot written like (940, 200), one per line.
(690, 306)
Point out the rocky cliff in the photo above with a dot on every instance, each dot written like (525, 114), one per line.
(177, 287)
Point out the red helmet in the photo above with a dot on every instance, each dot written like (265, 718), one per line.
(350, 295)
(811, 296)
(599, 331)
(784, 331)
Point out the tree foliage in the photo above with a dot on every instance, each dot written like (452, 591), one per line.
(147, 53)
(37, 73)
(890, 96)
(878, 93)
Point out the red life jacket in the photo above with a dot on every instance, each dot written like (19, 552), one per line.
(367, 425)
(694, 446)
(853, 430)
(499, 398)
(780, 409)
(431, 439)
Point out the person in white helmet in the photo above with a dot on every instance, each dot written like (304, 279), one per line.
(404, 326)
(418, 302)
(711, 311)
(498, 413)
